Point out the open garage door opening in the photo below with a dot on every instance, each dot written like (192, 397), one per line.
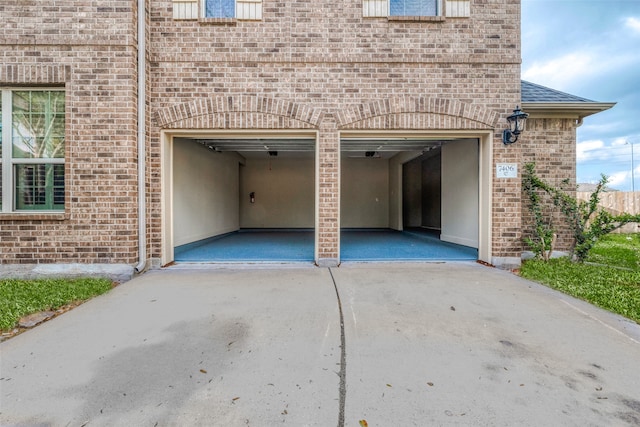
(409, 199)
(243, 199)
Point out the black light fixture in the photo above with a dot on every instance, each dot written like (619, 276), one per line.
(516, 121)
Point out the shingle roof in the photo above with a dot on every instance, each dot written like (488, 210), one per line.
(532, 92)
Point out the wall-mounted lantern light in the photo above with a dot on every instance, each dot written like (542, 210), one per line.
(516, 121)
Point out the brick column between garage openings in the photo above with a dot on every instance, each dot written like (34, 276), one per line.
(328, 197)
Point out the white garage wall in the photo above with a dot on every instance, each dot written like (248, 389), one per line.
(205, 192)
(460, 192)
(364, 199)
(284, 193)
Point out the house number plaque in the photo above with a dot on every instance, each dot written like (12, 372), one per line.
(507, 170)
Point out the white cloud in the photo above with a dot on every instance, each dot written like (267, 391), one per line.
(600, 63)
(633, 23)
(588, 150)
(618, 142)
(618, 178)
(609, 127)
(599, 60)
(560, 71)
(619, 175)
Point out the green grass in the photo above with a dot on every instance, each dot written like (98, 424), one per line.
(19, 298)
(614, 289)
(620, 250)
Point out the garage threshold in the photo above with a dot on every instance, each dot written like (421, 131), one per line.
(278, 246)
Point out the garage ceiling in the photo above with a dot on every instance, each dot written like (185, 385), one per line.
(385, 145)
(353, 147)
(259, 144)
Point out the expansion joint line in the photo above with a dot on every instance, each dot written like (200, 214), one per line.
(343, 358)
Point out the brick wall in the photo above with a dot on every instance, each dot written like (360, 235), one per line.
(551, 145)
(311, 55)
(89, 48)
(326, 56)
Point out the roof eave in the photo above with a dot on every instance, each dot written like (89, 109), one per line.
(568, 110)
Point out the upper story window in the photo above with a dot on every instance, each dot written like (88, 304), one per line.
(413, 7)
(32, 148)
(223, 11)
(219, 8)
(410, 9)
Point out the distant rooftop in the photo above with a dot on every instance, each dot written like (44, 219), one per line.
(590, 188)
(532, 92)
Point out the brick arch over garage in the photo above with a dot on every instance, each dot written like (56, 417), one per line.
(239, 112)
(416, 113)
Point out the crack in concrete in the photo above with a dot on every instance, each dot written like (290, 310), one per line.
(343, 358)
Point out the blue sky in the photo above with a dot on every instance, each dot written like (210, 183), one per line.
(591, 48)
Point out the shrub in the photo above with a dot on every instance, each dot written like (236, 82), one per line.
(587, 220)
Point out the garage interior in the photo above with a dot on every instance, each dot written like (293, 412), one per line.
(253, 200)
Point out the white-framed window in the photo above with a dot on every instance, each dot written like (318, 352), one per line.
(250, 10)
(32, 149)
(219, 8)
(416, 8)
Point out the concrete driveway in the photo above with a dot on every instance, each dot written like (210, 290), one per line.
(404, 344)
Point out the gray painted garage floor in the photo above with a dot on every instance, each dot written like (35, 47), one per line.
(278, 245)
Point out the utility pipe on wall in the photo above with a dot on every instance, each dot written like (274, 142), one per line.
(142, 203)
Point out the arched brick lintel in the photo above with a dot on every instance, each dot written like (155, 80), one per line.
(460, 112)
(238, 105)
